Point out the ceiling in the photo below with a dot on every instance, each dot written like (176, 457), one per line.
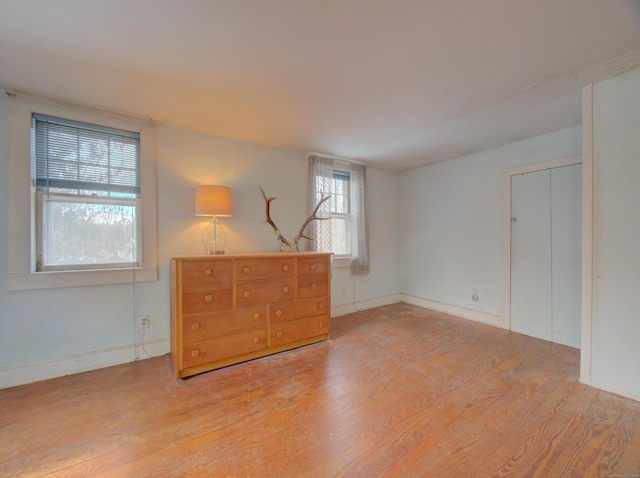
(395, 83)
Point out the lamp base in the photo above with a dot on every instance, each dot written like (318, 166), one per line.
(214, 237)
(212, 253)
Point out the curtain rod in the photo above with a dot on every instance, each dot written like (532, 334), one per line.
(338, 158)
(13, 93)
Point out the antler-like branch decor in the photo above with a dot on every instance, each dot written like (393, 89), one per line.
(289, 244)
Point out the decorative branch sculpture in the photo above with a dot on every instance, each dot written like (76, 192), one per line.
(289, 244)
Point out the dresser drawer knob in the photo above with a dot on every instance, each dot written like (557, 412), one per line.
(195, 326)
(208, 272)
(246, 293)
(279, 334)
(278, 313)
(285, 268)
(321, 305)
(321, 325)
(314, 286)
(246, 269)
(285, 289)
(256, 316)
(256, 340)
(195, 353)
(312, 267)
(208, 298)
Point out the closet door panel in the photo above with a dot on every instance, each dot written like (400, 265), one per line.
(531, 307)
(566, 255)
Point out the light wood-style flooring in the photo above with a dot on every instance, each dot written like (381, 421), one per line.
(399, 391)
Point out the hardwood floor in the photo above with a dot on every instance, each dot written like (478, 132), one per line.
(399, 391)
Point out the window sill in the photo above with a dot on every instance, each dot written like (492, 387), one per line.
(61, 279)
(340, 262)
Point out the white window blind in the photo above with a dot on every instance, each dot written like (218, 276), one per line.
(82, 158)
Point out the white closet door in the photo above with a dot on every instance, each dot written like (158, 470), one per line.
(531, 254)
(566, 254)
(546, 215)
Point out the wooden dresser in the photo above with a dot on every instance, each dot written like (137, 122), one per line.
(230, 308)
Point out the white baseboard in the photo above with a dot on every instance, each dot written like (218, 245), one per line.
(463, 312)
(351, 308)
(34, 372)
(29, 373)
(610, 390)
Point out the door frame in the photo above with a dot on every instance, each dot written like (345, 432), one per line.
(506, 224)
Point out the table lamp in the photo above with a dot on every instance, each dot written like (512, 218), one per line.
(213, 201)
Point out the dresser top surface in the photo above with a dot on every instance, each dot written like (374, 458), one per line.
(248, 255)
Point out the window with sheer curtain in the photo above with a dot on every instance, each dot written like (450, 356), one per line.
(344, 231)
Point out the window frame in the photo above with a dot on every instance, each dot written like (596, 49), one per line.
(343, 216)
(341, 260)
(23, 212)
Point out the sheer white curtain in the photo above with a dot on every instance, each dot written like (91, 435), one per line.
(322, 182)
(359, 224)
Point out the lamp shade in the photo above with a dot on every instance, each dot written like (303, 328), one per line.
(213, 201)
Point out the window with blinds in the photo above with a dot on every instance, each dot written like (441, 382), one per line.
(87, 179)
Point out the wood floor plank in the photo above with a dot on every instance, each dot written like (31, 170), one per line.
(398, 391)
(527, 453)
(625, 444)
(600, 428)
(501, 419)
(450, 408)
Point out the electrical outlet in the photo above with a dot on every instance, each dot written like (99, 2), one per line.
(143, 321)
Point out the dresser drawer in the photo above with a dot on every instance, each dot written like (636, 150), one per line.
(205, 272)
(218, 296)
(201, 351)
(223, 322)
(285, 311)
(312, 286)
(265, 291)
(308, 266)
(250, 269)
(300, 329)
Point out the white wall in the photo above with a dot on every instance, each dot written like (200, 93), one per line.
(46, 333)
(451, 225)
(616, 234)
(382, 286)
